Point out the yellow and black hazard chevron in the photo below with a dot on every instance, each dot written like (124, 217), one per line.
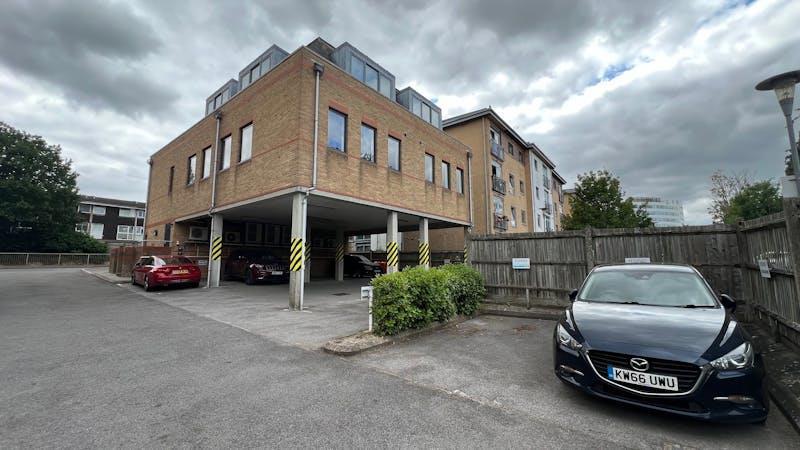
(466, 253)
(308, 251)
(392, 254)
(296, 255)
(216, 248)
(339, 251)
(424, 254)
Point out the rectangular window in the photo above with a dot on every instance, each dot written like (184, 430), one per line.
(337, 124)
(96, 230)
(445, 175)
(82, 227)
(367, 143)
(357, 67)
(206, 162)
(394, 153)
(98, 210)
(511, 184)
(225, 155)
(371, 77)
(426, 112)
(435, 118)
(521, 187)
(246, 144)
(255, 73)
(510, 148)
(191, 171)
(428, 168)
(513, 217)
(416, 106)
(524, 216)
(171, 178)
(84, 208)
(536, 164)
(126, 212)
(210, 106)
(459, 180)
(140, 213)
(217, 101)
(386, 86)
(537, 192)
(129, 233)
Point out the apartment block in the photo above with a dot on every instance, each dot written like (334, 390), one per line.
(308, 147)
(113, 221)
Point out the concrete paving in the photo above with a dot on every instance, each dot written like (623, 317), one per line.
(506, 363)
(85, 363)
(331, 309)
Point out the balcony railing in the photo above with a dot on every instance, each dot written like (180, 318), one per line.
(498, 184)
(500, 222)
(547, 206)
(497, 150)
(545, 181)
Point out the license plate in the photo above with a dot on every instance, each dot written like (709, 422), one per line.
(277, 272)
(651, 380)
(180, 272)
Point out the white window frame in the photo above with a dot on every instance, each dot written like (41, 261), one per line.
(445, 174)
(225, 157)
(85, 206)
(98, 210)
(432, 159)
(246, 142)
(127, 212)
(206, 163)
(96, 230)
(391, 163)
(459, 180)
(191, 170)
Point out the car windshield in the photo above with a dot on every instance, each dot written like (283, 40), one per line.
(647, 287)
(363, 259)
(175, 260)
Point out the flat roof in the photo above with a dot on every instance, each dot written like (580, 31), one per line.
(105, 201)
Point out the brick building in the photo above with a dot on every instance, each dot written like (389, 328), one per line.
(115, 222)
(515, 186)
(308, 147)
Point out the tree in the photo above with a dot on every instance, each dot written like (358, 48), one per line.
(754, 201)
(38, 197)
(725, 187)
(598, 202)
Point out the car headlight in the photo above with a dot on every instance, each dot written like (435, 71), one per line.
(566, 339)
(739, 358)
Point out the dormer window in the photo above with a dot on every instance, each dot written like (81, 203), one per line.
(370, 76)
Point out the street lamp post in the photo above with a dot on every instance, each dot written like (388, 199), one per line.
(783, 85)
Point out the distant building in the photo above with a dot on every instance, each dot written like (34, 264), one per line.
(115, 222)
(665, 213)
(364, 243)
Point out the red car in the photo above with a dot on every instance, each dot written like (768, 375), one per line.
(161, 271)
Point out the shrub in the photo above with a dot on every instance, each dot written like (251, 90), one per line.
(416, 297)
(392, 307)
(466, 287)
(430, 292)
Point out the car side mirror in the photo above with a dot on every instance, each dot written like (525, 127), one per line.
(138, 264)
(573, 295)
(728, 302)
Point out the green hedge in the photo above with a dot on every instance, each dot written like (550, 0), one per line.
(417, 297)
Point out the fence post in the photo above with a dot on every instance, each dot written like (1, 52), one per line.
(791, 210)
(87, 260)
(27, 256)
(747, 290)
(588, 248)
(59, 259)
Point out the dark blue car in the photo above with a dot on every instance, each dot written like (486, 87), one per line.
(656, 336)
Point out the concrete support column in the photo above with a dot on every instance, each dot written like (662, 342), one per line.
(307, 268)
(340, 255)
(297, 251)
(392, 246)
(424, 244)
(215, 252)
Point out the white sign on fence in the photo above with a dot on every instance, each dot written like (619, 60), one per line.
(202, 262)
(520, 263)
(763, 266)
(645, 260)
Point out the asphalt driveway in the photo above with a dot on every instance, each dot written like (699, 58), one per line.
(505, 363)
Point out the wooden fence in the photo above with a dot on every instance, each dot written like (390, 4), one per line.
(726, 255)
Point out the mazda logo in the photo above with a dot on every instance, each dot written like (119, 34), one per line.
(640, 364)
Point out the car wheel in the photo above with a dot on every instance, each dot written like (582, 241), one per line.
(147, 286)
(133, 279)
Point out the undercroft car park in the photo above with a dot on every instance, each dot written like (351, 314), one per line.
(325, 260)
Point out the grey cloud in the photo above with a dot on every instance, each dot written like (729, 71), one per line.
(93, 52)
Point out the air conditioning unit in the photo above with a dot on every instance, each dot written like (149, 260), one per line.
(198, 233)
(232, 237)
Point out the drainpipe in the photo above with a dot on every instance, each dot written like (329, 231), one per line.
(214, 153)
(147, 204)
(489, 195)
(469, 187)
(318, 70)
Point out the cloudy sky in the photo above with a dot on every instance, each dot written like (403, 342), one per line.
(659, 92)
